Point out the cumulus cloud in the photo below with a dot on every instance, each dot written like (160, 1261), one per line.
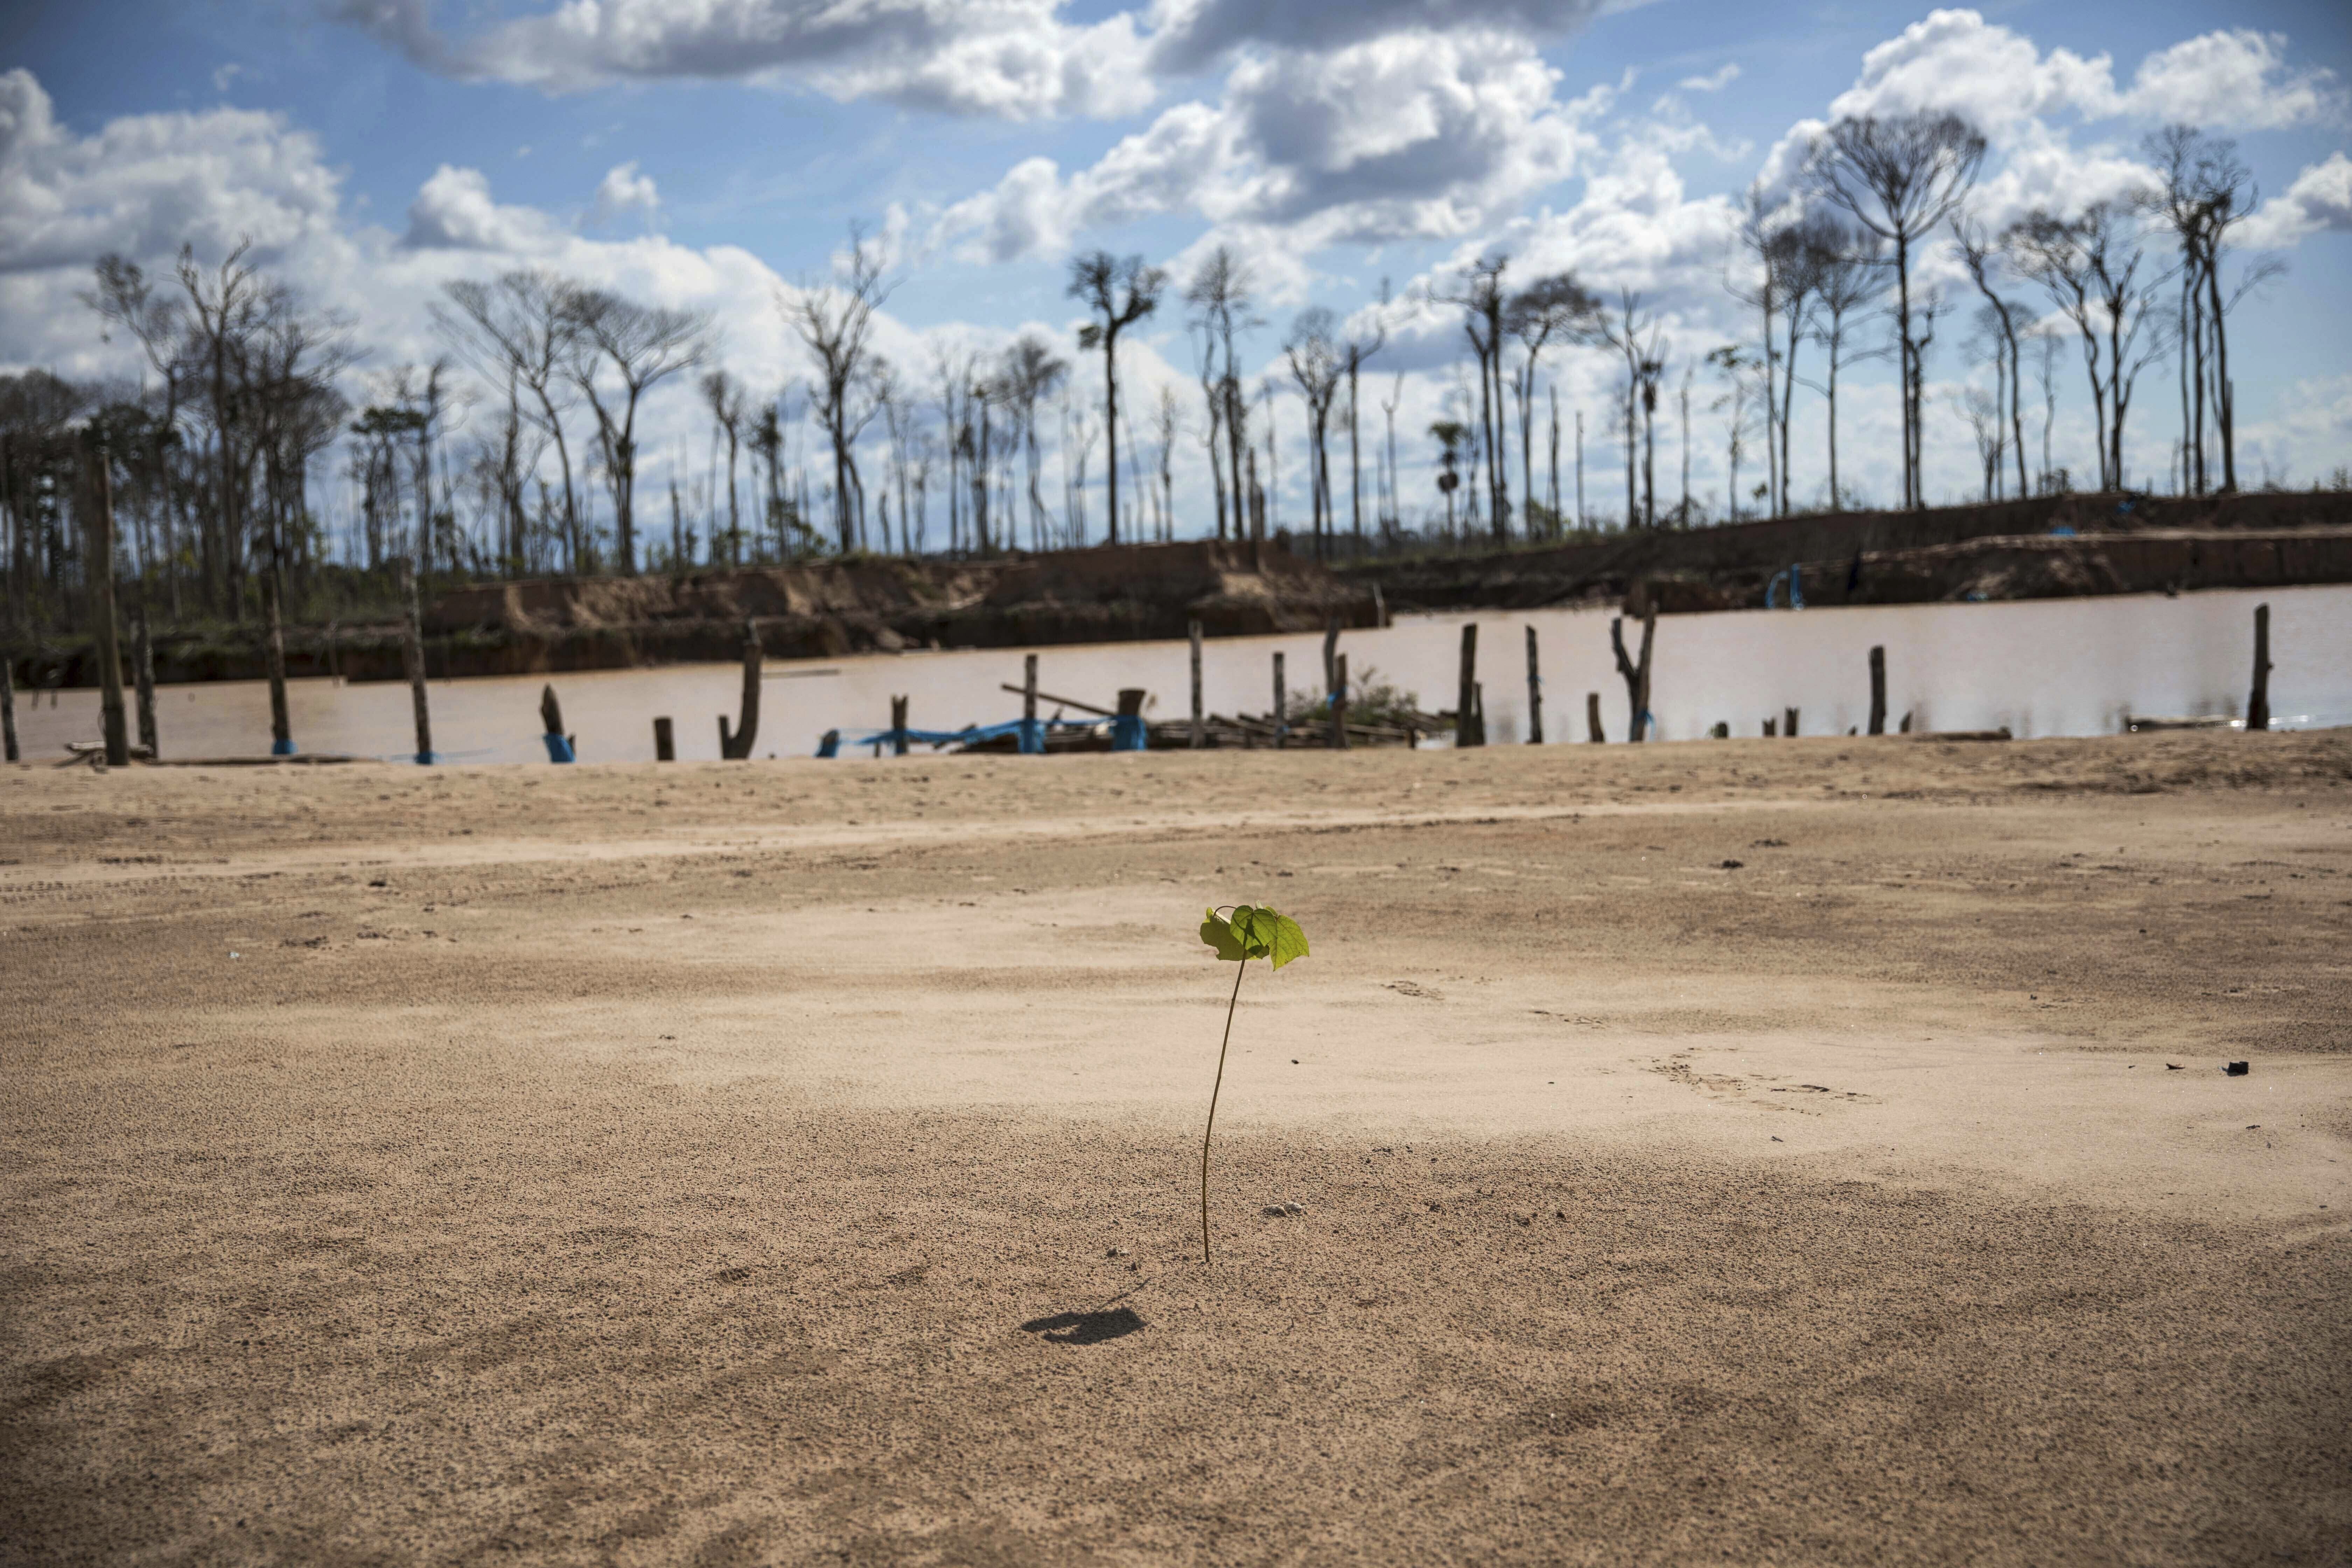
(624, 190)
(1714, 81)
(145, 183)
(1190, 34)
(1409, 136)
(453, 211)
(1010, 58)
(2237, 79)
(1955, 60)
(2319, 202)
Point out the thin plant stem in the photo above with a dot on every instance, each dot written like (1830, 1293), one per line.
(1230, 1004)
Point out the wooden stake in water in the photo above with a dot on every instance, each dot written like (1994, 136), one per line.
(1535, 694)
(1637, 675)
(665, 741)
(737, 747)
(1878, 690)
(1465, 701)
(1339, 702)
(1592, 731)
(2258, 702)
(142, 680)
(1789, 724)
(8, 709)
(1199, 729)
(1281, 706)
(412, 660)
(1029, 703)
(102, 592)
(899, 726)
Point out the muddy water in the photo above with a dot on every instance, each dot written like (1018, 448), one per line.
(2066, 667)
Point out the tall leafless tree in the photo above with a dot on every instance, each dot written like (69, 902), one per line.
(1353, 353)
(643, 345)
(1981, 253)
(835, 321)
(2091, 267)
(521, 330)
(1030, 374)
(1900, 176)
(724, 396)
(1483, 302)
(1556, 309)
(1318, 366)
(1120, 291)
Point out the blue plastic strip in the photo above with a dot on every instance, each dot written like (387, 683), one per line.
(559, 750)
(281, 748)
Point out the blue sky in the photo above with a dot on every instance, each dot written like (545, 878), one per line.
(734, 150)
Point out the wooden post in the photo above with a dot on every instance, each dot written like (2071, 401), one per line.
(281, 727)
(1637, 676)
(101, 593)
(1535, 694)
(2258, 703)
(1200, 732)
(1788, 723)
(1771, 728)
(1465, 700)
(665, 741)
(143, 678)
(1331, 650)
(1592, 731)
(899, 726)
(560, 746)
(412, 660)
(8, 709)
(737, 747)
(1478, 708)
(1029, 736)
(1281, 705)
(1878, 690)
(1339, 702)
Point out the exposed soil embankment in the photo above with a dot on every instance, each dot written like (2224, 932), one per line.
(2056, 547)
(821, 610)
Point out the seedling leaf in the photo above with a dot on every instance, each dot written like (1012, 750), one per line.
(1248, 933)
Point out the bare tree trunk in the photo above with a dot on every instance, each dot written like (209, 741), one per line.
(1637, 675)
(737, 746)
(143, 675)
(101, 594)
(412, 658)
(8, 752)
(2258, 703)
(1535, 694)
(1878, 690)
(1465, 704)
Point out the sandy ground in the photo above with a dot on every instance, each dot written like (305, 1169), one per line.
(1730, 1152)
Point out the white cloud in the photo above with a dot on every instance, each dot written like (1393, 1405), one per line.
(1190, 34)
(453, 211)
(2235, 79)
(624, 190)
(225, 74)
(1424, 135)
(1955, 60)
(1714, 81)
(1010, 58)
(2320, 201)
(145, 183)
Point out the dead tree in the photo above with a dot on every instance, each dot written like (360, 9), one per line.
(1636, 674)
(644, 345)
(1120, 292)
(835, 323)
(1900, 176)
(737, 746)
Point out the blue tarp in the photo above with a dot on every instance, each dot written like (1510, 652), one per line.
(559, 750)
(1031, 731)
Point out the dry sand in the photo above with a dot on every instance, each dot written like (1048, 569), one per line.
(783, 1163)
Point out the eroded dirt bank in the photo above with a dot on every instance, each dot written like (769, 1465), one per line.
(783, 1162)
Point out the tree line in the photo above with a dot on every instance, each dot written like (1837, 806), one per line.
(518, 451)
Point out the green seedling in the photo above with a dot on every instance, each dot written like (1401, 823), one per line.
(1246, 934)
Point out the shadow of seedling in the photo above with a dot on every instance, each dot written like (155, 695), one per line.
(1084, 1327)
